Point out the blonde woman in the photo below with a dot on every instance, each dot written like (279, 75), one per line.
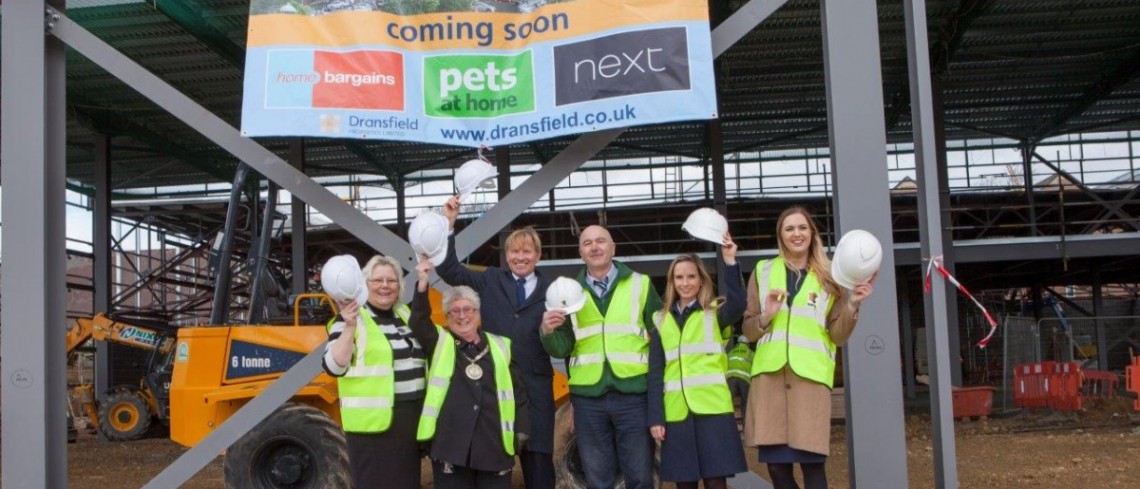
(800, 316)
(691, 411)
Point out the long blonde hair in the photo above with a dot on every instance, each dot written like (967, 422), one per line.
(704, 296)
(817, 262)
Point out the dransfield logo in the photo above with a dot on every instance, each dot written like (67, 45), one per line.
(628, 63)
(458, 86)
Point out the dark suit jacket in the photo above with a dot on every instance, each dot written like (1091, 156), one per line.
(521, 323)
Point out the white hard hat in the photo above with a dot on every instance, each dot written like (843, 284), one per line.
(707, 224)
(565, 294)
(428, 236)
(472, 175)
(342, 279)
(857, 258)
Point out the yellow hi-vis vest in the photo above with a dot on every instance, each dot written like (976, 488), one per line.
(368, 387)
(695, 364)
(439, 379)
(619, 337)
(797, 336)
(740, 362)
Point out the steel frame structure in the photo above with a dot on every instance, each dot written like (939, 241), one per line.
(33, 209)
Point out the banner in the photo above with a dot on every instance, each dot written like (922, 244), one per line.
(471, 73)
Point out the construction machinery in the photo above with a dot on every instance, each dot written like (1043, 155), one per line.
(126, 412)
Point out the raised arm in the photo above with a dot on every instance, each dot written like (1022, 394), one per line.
(420, 320)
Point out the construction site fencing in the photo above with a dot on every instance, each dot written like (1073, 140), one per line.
(1057, 364)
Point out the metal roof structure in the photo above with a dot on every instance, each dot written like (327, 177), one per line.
(1021, 69)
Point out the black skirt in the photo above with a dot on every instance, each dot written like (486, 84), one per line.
(388, 460)
(701, 447)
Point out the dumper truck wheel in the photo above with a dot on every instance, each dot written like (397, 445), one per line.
(296, 447)
(124, 415)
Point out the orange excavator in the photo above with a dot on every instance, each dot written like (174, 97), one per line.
(126, 412)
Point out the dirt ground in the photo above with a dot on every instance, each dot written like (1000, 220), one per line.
(1099, 448)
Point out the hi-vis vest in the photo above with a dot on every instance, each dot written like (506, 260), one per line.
(368, 388)
(740, 362)
(797, 337)
(619, 337)
(439, 379)
(695, 364)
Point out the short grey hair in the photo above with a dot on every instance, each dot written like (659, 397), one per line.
(388, 261)
(460, 292)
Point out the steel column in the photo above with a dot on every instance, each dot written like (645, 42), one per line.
(300, 221)
(101, 264)
(716, 159)
(852, 74)
(1098, 323)
(1027, 174)
(32, 145)
(949, 255)
(932, 242)
(907, 339)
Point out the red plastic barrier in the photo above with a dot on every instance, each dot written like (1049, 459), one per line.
(1031, 384)
(1099, 384)
(1064, 392)
(1132, 380)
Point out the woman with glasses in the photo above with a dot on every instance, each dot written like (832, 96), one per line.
(380, 368)
(475, 413)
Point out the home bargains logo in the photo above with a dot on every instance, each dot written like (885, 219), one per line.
(478, 86)
(366, 80)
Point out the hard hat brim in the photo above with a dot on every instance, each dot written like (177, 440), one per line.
(569, 308)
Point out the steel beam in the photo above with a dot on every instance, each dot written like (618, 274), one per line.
(1090, 192)
(931, 233)
(938, 110)
(221, 133)
(300, 221)
(1114, 77)
(1098, 323)
(857, 135)
(32, 146)
(101, 262)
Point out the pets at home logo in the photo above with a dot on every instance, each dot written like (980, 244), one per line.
(465, 86)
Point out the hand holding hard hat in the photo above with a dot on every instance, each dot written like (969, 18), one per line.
(857, 259)
(428, 236)
(563, 297)
(343, 280)
(707, 224)
(472, 175)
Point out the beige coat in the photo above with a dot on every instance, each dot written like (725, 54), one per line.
(784, 408)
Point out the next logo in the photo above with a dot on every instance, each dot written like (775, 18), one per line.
(628, 63)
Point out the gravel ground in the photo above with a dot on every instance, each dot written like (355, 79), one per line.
(1099, 448)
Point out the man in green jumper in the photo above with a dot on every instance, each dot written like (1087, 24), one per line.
(607, 344)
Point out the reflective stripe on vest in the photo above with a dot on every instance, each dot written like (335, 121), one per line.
(443, 367)
(695, 366)
(797, 335)
(619, 337)
(740, 362)
(368, 387)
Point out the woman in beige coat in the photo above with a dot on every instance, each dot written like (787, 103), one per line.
(789, 416)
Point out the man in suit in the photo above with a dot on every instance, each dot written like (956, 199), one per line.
(513, 304)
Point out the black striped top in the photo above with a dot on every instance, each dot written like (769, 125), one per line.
(407, 355)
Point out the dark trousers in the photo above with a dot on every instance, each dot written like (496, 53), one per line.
(447, 476)
(537, 469)
(612, 435)
(739, 388)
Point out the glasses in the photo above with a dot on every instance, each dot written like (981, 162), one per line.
(462, 311)
(382, 281)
